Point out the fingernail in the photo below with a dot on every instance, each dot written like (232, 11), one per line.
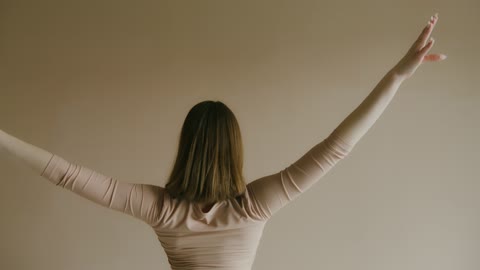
(443, 56)
(436, 14)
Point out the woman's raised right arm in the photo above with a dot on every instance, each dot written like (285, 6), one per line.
(274, 191)
(366, 114)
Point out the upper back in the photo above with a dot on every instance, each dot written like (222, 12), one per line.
(225, 237)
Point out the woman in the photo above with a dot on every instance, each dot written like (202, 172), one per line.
(207, 217)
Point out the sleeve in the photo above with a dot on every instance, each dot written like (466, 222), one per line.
(138, 200)
(273, 192)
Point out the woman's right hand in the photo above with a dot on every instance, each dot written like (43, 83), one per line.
(417, 54)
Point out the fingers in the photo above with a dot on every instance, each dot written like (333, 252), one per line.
(425, 34)
(430, 25)
(434, 57)
(426, 48)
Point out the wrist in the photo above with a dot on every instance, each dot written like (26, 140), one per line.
(3, 136)
(395, 76)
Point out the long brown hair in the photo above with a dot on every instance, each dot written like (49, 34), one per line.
(209, 163)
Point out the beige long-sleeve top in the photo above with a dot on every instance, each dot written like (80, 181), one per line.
(225, 237)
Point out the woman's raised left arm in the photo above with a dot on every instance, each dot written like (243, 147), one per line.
(33, 156)
(142, 201)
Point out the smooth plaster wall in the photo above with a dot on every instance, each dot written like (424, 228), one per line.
(107, 84)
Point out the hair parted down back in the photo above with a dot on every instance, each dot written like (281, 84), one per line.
(209, 163)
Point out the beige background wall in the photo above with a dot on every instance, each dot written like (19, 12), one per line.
(107, 84)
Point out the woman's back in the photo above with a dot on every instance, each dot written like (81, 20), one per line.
(226, 236)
